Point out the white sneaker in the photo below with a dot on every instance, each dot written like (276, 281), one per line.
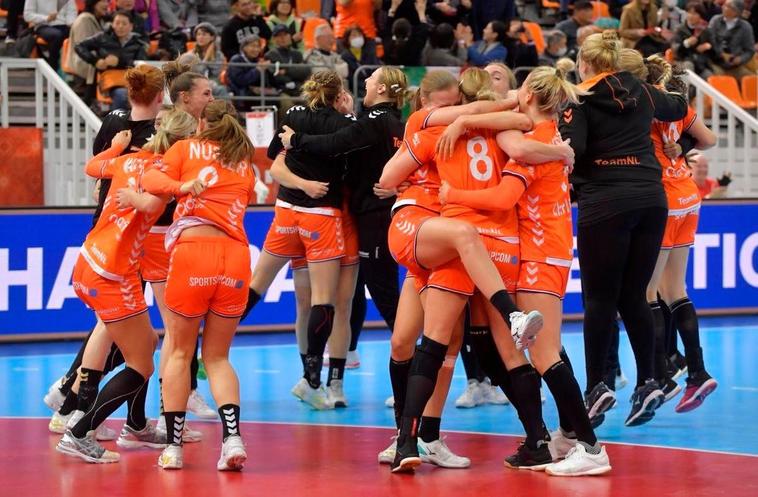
(336, 394)
(54, 397)
(197, 405)
(171, 457)
(492, 394)
(233, 455)
(387, 456)
(148, 436)
(325, 363)
(315, 397)
(580, 463)
(438, 453)
(86, 448)
(472, 396)
(353, 360)
(102, 432)
(59, 422)
(525, 327)
(189, 435)
(390, 402)
(560, 444)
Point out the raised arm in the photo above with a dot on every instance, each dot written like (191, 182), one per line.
(397, 169)
(520, 149)
(493, 120)
(502, 197)
(360, 134)
(446, 115)
(101, 165)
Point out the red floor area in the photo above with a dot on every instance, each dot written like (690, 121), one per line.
(315, 461)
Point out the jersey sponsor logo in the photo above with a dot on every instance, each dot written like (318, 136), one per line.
(221, 279)
(98, 253)
(629, 160)
(689, 199)
(83, 289)
(503, 257)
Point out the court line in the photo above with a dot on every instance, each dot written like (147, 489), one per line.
(391, 430)
(746, 389)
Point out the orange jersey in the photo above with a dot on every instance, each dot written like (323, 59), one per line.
(544, 209)
(356, 13)
(229, 188)
(114, 245)
(681, 190)
(476, 163)
(425, 181)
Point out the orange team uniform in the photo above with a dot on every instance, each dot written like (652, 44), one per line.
(211, 272)
(476, 164)
(154, 259)
(350, 237)
(357, 13)
(681, 191)
(106, 275)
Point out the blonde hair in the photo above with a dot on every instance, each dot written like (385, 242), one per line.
(476, 84)
(659, 70)
(396, 82)
(512, 83)
(433, 81)
(631, 60)
(224, 129)
(601, 51)
(551, 88)
(322, 89)
(175, 125)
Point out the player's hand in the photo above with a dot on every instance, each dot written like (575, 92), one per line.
(315, 189)
(403, 186)
(725, 179)
(444, 192)
(194, 187)
(125, 197)
(96, 192)
(122, 140)
(286, 137)
(382, 193)
(568, 154)
(672, 150)
(446, 141)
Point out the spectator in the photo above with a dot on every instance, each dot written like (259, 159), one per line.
(51, 20)
(484, 12)
(581, 35)
(359, 13)
(328, 10)
(214, 12)
(734, 41)
(356, 54)
(283, 12)
(15, 10)
(286, 79)
(322, 56)
(247, 21)
(138, 21)
(211, 60)
(707, 186)
(89, 23)
(555, 49)
(449, 12)
(583, 12)
(404, 47)
(443, 49)
(712, 8)
(670, 16)
(117, 48)
(693, 41)
(177, 14)
(244, 81)
(639, 20)
(491, 48)
(521, 49)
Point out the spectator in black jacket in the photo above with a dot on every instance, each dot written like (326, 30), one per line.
(693, 42)
(127, 6)
(248, 21)
(404, 46)
(734, 41)
(355, 56)
(443, 49)
(117, 48)
(287, 79)
(522, 52)
(244, 81)
(555, 48)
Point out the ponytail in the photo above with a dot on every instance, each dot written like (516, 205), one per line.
(322, 89)
(224, 129)
(601, 51)
(476, 84)
(396, 82)
(551, 88)
(176, 125)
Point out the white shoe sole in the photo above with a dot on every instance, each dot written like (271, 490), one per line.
(649, 405)
(408, 465)
(385, 459)
(602, 405)
(75, 453)
(590, 472)
(170, 466)
(442, 464)
(234, 462)
(531, 330)
(672, 394)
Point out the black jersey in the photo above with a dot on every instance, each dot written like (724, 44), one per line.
(371, 141)
(142, 131)
(312, 166)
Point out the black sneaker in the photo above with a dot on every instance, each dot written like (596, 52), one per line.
(677, 365)
(598, 401)
(597, 420)
(670, 389)
(531, 459)
(406, 455)
(645, 400)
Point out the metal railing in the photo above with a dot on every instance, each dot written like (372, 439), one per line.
(69, 128)
(737, 132)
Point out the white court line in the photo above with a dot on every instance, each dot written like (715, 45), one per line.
(267, 371)
(391, 430)
(746, 389)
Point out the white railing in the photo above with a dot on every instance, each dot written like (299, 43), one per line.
(737, 132)
(69, 128)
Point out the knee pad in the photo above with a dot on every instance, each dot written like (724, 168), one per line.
(429, 358)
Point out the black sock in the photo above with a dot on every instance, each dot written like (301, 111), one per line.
(336, 369)
(568, 396)
(74, 367)
(399, 378)
(422, 379)
(430, 429)
(69, 404)
(302, 359)
(504, 305)
(659, 329)
(230, 420)
(612, 359)
(175, 426)
(160, 394)
(564, 420)
(485, 350)
(684, 316)
(88, 388)
(357, 314)
(668, 326)
(252, 298)
(471, 365)
(125, 384)
(115, 359)
(526, 388)
(68, 383)
(194, 367)
(320, 323)
(135, 413)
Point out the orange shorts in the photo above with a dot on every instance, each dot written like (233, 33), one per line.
(350, 235)
(453, 277)
(316, 237)
(541, 277)
(401, 239)
(208, 274)
(111, 300)
(154, 260)
(680, 230)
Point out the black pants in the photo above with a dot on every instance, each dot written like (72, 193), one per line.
(617, 257)
(54, 36)
(15, 9)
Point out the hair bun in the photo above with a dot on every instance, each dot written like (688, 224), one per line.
(136, 79)
(564, 66)
(610, 35)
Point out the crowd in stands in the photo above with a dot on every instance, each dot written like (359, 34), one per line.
(254, 48)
